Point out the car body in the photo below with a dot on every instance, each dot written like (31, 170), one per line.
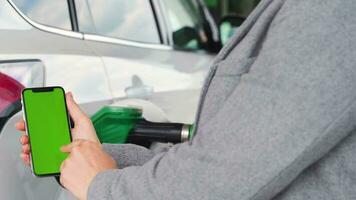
(154, 55)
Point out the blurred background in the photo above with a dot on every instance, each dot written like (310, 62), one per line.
(221, 8)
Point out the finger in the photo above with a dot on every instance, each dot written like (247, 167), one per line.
(68, 148)
(24, 139)
(20, 126)
(26, 149)
(25, 158)
(74, 110)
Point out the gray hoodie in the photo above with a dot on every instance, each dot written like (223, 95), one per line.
(276, 116)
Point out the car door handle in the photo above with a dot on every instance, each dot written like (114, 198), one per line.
(138, 89)
(140, 92)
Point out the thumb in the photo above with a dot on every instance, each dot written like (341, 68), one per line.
(68, 148)
(74, 110)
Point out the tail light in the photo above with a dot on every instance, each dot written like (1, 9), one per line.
(14, 76)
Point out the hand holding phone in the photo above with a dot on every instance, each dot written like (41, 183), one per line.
(83, 128)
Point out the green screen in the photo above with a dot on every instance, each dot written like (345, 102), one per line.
(47, 127)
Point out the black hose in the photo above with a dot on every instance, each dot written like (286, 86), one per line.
(156, 132)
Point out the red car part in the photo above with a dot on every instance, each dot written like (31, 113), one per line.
(10, 94)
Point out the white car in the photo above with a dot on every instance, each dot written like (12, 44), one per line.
(103, 51)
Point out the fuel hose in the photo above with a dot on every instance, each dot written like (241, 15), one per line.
(148, 131)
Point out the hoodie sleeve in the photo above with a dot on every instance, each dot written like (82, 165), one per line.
(127, 155)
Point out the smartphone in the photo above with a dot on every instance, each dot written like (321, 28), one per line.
(48, 128)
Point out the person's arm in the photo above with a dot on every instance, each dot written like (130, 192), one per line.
(296, 102)
(258, 167)
(127, 155)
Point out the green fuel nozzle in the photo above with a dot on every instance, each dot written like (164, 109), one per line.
(126, 125)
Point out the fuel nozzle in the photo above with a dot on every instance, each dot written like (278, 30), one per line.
(126, 125)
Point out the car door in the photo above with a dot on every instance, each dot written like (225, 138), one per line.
(131, 39)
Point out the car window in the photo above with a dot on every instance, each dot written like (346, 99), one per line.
(185, 23)
(124, 19)
(53, 13)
